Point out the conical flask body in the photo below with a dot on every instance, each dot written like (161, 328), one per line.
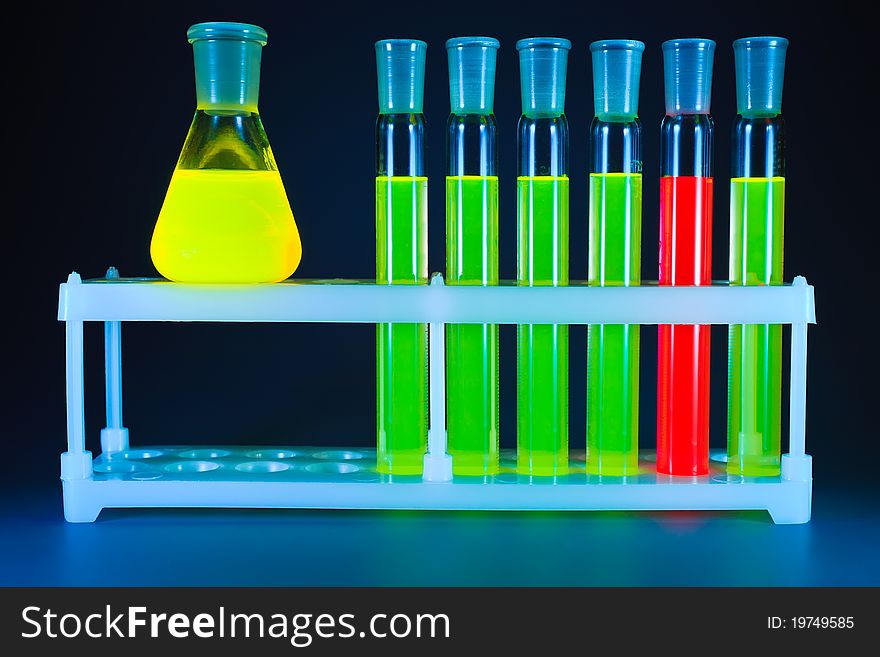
(226, 217)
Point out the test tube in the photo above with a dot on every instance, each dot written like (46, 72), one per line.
(542, 254)
(615, 255)
(757, 199)
(401, 254)
(472, 253)
(686, 145)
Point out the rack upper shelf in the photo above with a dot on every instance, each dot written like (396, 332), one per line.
(347, 301)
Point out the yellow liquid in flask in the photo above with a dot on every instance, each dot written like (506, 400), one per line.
(226, 226)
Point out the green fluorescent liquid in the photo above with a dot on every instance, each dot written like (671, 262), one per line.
(613, 349)
(542, 349)
(472, 349)
(754, 394)
(401, 349)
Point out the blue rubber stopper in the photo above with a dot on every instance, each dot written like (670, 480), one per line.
(542, 67)
(617, 69)
(227, 62)
(400, 66)
(760, 69)
(472, 74)
(687, 72)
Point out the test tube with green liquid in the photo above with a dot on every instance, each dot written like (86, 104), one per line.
(615, 234)
(401, 255)
(472, 253)
(757, 200)
(542, 255)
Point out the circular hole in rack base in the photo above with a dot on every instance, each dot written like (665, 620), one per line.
(338, 455)
(204, 454)
(272, 454)
(192, 466)
(118, 467)
(262, 467)
(718, 457)
(332, 468)
(728, 479)
(141, 453)
(146, 476)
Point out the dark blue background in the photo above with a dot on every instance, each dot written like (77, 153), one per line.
(94, 126)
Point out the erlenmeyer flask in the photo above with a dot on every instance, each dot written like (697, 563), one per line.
(226, 218)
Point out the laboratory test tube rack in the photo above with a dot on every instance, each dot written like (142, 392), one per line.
(345, 477)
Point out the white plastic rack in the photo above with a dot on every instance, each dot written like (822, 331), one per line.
(345, 477)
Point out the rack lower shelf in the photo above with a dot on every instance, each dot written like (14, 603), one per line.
(335, 478)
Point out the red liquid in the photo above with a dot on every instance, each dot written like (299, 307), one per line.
(683, 350)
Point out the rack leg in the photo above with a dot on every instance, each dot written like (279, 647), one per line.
(438, 464)
(79, 502)
(114, 437)
(76, 462)
(796, 508)
(798, 408)
(797, 464)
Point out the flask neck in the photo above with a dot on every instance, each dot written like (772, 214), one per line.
(227, 75)
(227, 140)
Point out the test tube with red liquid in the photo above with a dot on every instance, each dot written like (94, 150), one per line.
(686, 145)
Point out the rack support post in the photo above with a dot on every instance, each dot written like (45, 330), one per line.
(797, 464)
(438, 464)
(114, 437)
(76, 462)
